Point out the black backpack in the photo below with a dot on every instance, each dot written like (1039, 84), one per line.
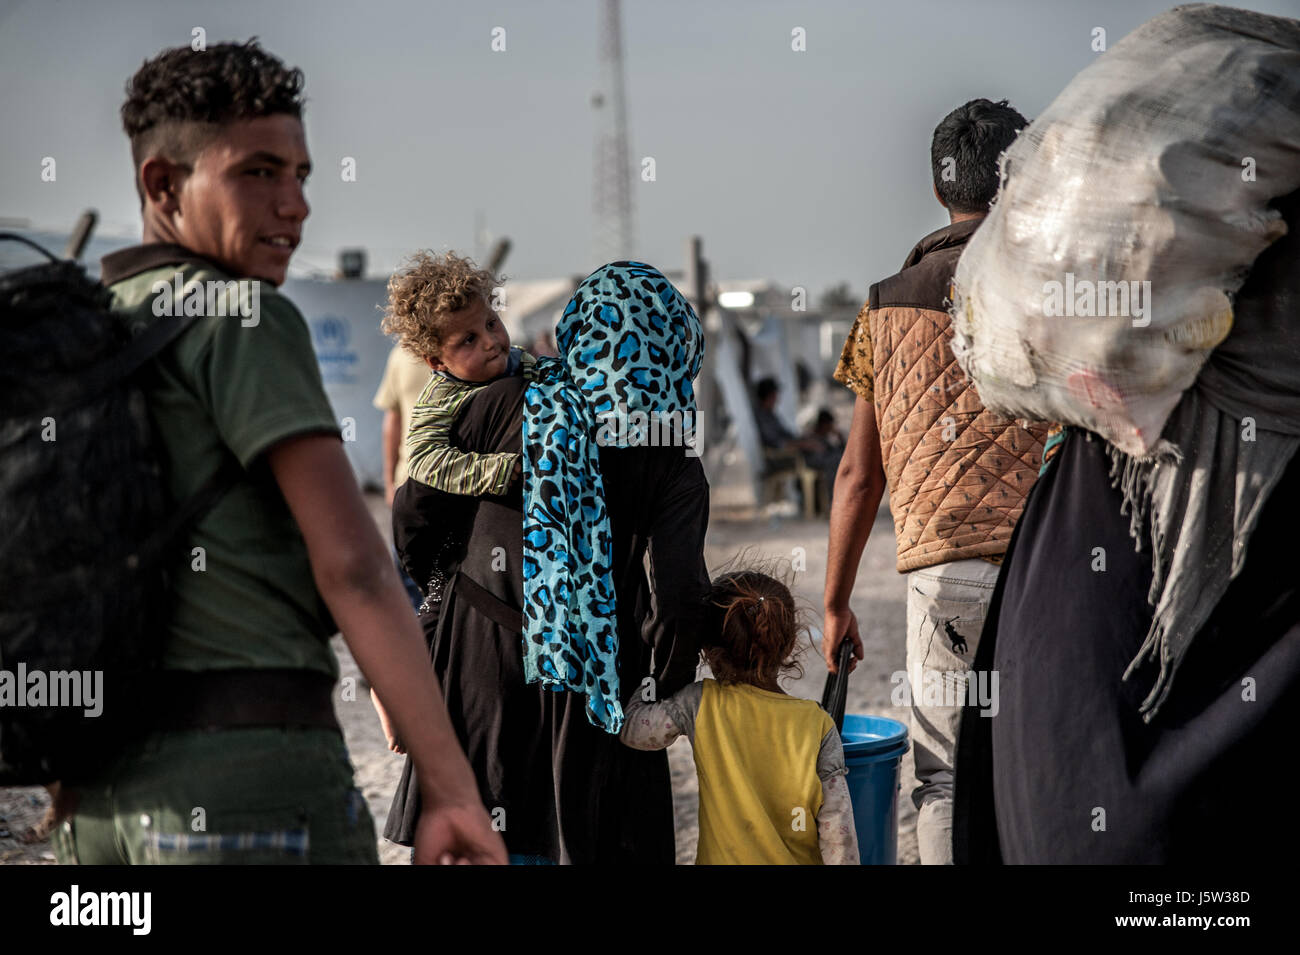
(87, 532)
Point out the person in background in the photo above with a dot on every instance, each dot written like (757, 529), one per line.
(776, 437)
(826, 429)
(957, 474)
(830, 449)
(543, 345)
(786, 451)
(405, 376)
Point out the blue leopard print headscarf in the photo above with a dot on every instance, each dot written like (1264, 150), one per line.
(628, 341)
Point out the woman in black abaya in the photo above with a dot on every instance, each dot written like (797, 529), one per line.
(562, 789)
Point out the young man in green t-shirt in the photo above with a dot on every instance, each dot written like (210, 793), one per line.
(244, 761)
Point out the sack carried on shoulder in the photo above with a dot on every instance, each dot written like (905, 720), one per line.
(1129, 215)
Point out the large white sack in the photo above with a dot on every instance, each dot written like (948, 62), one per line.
(1155, 165)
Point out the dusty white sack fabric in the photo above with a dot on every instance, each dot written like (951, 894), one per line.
(1129, 215)
(1158, 198)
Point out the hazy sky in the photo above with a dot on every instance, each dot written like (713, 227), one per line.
(808, 168)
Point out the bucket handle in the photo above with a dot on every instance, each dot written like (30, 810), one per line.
(835, 695)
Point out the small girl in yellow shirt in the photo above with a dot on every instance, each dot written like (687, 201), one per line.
(771, 766)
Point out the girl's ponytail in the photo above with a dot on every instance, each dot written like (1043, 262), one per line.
(759, 629)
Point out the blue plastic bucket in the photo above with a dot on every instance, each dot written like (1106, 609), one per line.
(873, 750)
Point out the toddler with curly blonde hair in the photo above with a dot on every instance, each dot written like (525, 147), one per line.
(439, 307)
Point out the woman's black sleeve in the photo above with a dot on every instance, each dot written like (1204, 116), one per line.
(421, 518)
(679, 580)
(425, 519)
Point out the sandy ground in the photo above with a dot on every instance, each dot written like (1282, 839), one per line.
(878, 600)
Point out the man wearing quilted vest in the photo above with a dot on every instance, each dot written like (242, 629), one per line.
(957, 474)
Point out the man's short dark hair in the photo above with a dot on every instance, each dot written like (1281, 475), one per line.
(966, 147)
(766, 388)
(177, 101)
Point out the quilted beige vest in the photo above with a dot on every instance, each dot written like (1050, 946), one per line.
(958, 474)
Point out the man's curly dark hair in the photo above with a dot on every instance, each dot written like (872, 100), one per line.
(177, 101)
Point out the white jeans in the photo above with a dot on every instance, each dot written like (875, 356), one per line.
(946, 606)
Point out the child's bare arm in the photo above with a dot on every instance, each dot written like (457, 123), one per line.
(386, 723)
(393, 439)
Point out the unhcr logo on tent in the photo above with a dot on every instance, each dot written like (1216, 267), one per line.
(337, 358)
(1084, 298)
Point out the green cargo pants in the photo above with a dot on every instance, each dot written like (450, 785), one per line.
(281, 796)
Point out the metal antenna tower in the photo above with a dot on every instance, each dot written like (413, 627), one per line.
(613, 234)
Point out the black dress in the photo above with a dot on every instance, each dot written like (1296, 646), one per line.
(563, 789)
(1067, 771)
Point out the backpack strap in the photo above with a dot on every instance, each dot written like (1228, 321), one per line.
(58, 395)
(15, 237)
(145, 346)
(131, 357)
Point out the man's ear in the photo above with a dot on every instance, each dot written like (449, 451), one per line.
(162, 179)
(938, 197)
